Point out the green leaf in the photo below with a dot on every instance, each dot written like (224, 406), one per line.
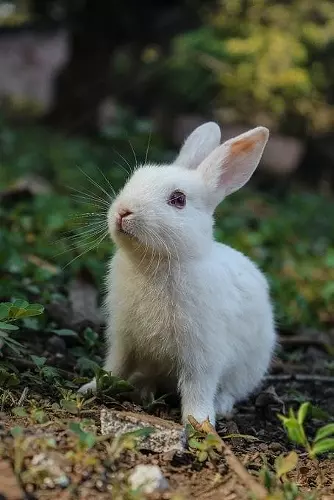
(65, 332)
(267, 479)
(36, 307)
(190, 431)
(39, 416)
(16, 432)
(8, 326)
(69, 405)
(90, 440)
(319, 414)
(4, 311)
(322, 446)
(21, 304)
(76, 428)
(285, 464)
(13, 344)
(302, 412)
(91, 337)
(33, 310)
(194, 443)
(202, 456)
(8, 379)
(86, 439)
(38, 360)
(292, 413)
(19, 411)
(295, 431)
(325, 431)
(49, 372)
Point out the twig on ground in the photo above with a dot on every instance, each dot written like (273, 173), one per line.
(300, 377)
(247, 479)
(23, 396)
(302, 340)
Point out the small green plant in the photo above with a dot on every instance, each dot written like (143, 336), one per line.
(86, 439)
(126, 442)
(152, 404)
(11, 312)
(111, 385)
(276, 481)
(8, 382)
(205, 448)
(323, 441)
(207, 445)
(44, 371)
(35, 414)
(73, 402)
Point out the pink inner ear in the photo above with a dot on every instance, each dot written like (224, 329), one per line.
(243, 146)
(238, 149)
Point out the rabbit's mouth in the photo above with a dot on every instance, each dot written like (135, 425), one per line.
(125, 233)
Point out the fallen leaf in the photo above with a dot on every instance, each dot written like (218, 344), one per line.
(285, 464)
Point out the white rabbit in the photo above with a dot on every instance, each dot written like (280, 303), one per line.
(184, 310)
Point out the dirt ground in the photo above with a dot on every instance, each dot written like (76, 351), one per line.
(45, 461)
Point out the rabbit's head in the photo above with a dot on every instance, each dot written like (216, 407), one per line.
(168, 209)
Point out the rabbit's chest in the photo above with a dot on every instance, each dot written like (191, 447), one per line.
(151, 317)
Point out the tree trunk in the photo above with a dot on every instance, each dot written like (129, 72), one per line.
(81, 85)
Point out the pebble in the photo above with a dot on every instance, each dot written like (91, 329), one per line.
(168, 436)
(147, 479)
(275, 446)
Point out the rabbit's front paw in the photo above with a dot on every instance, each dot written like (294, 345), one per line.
(198, 400)
(90, 387)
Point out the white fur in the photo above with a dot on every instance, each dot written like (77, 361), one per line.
(183, 310)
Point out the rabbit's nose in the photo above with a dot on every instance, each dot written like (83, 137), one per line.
(120, 215)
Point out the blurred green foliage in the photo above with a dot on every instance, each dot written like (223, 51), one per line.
(292, 239)
(261, 61)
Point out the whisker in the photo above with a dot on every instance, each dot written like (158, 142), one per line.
(95, 183)
(88, 250)
(124, 159)
(90, 230)
(107, 180)
(75, 245)
(88, 217)
(148, 145)
(134, 154)
(88, 194)
(87, 200)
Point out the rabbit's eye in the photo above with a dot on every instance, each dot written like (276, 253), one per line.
(177, 199)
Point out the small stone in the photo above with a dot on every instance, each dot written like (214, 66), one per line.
(167, 435)
(147, 479)
(52, 465)
(275, 446)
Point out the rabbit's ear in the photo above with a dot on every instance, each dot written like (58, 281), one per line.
(200, 143)
(232, 164)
